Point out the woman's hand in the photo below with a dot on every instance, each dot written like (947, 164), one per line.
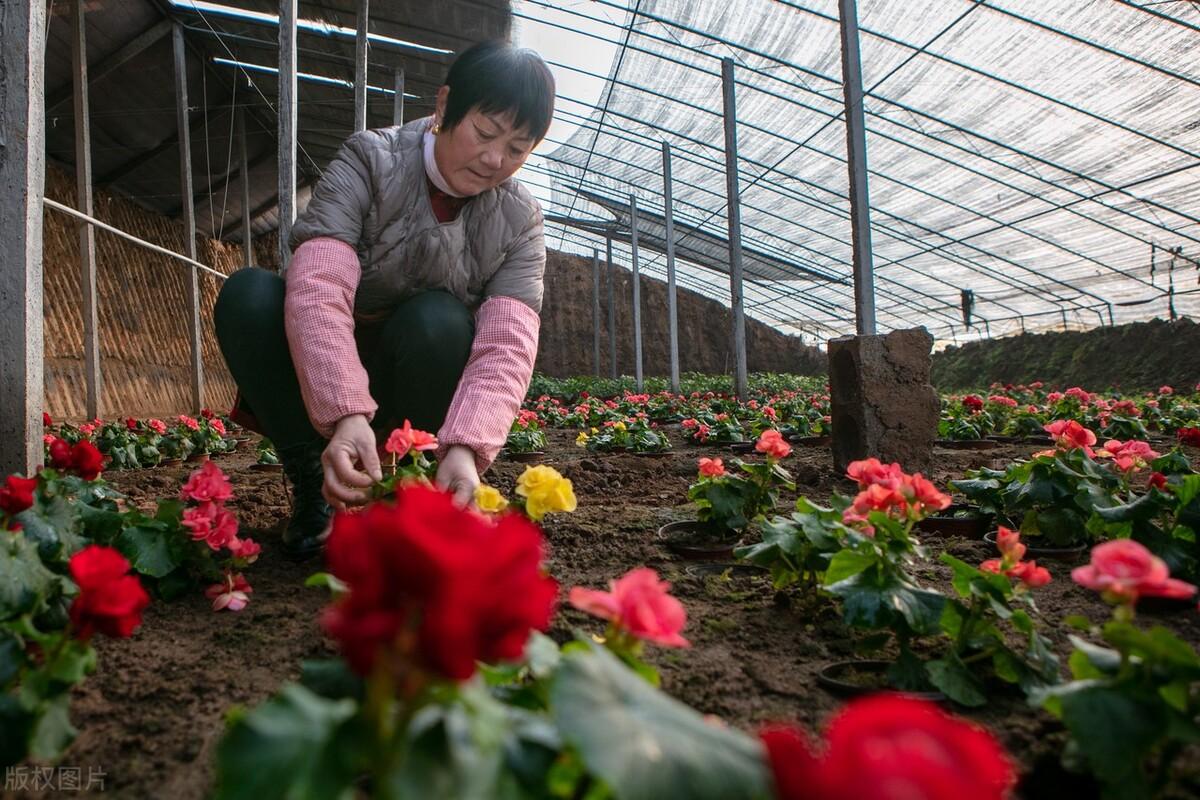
(457, 474)
(351, 462)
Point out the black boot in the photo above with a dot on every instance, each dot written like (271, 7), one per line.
(305, 534)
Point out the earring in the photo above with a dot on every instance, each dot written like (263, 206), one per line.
(437, 128)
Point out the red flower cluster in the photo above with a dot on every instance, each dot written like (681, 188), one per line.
(1011, 549)
(773, 444)
(973, 403)
(109, 600)
(887, 488)
(83, 459)
(890, 747)
(639, 603)
(1124, 570)
(711, 467)
(1002, 400)
(1189, 436)
(1128, 456)
(406, 439)
(1070, 435)
(209, 521)
(435, 583)
(16, 494)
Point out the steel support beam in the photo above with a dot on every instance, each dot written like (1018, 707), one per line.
(247, 233)
(856, 152)
(361, 44)
(734, 216)
(672, 306)
(637, 292)
(596, 311)
(22, 174)
(286, 108)
(612, 309)
(398, 99)
(192, 282)
(83, 201)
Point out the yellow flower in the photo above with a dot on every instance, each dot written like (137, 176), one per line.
(545, 491)
(581, 439)
(595, 430)
(488, 499)
(620, 426)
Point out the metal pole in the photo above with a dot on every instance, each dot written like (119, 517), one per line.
(398, 99)
(612, 307)
(247, 234)
(286, 109)
(360, 67)
(856, 159)
(22, 174)
(734, 217)
(83, 195)
(189, 214)
(672, 308)
(637, 293)
(596, 310)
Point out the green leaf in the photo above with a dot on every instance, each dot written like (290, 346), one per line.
(12, 657)
(53, 731)
(955, 681)
(1102, 658)
(287, 748)
(327, 580)
(646, 745)
(150, 550)
(1078, 622)
(25, 582)
(922, 608)
(1114, 730)
(53, 524)
(73, 663)
(862, 600)
(16, 725)
(100, 525)
(332, 679)
(964, 573)
(848, 563)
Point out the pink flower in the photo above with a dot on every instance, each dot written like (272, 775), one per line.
(1054, 397)
(246, 549)
(871, 471)
(711, 467)
(922, 496)
(232, 594)
(1070, 435)
(211, 523)
(1165, 390)
(639, 603)
(1001, 400)
(157, 425)
(407, 438)
(87, 429)
(1030, 574)
(1079, 394)
(1124, 570)
(217, 425)
(1008, 542)
(188, 422)
(1127, 455)
(207, 484)
(772, 443)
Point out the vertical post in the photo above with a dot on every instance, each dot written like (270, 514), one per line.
(596, 310)
(672, 308)
(286, 108)
(189, 214)
(22, 174)
(247, 235)
(612, 307)
(398, 99)
(360, 67)
(1064, 317)
(637, 292)
(734, 216)
(83, 201)
(856, 159)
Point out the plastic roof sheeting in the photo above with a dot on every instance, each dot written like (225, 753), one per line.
(1043, 154)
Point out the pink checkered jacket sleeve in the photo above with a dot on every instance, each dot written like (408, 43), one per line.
(495, 379)
(319, 319)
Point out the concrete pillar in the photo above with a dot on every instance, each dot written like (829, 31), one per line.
(882, 402)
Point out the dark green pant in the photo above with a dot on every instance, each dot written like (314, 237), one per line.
(414, 358)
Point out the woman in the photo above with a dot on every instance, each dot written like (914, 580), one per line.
(413, 293)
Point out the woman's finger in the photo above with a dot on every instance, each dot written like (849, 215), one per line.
(368, 456)
(337, 494)
(343, 467)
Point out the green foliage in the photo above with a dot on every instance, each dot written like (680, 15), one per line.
(729, 503)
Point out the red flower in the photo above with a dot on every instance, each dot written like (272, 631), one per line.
(86, 460)
(188, 422)
(109, 600)
(131, 423)
(1030, 574)
(1001, 400)
(1070, 435)
(871, 471)
(46, 420)
(711, 467)
(157, 425)
(772, 443)
(17, 494)
(973, 403)
(207, 484)
(60, 454)
(470, 589)
(406, 439)
(923, 497)
(638, 603)
(246, 549)
(890, 747)
(1128, 455)
(217, 425)
(1008, 542)
(211, 523)
(1124, 570)
(1189, 436)
(1158, 481)
(206, 413)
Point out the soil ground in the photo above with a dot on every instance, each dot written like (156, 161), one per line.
(152, 715)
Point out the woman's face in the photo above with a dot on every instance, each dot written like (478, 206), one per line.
(481, 151)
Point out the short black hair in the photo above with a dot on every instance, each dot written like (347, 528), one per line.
(497, 78)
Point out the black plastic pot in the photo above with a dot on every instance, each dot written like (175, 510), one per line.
(832, 677)
(267, 467)
(946, 524)
(1071, 553)
(531, 457)
(694, 540)
(742, 447)
(662, 454)
(810, 441)
(719, 568)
